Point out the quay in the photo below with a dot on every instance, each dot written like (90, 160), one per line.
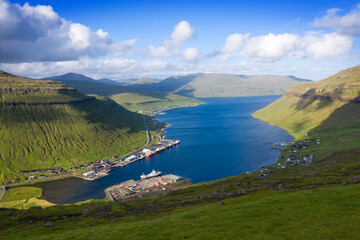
(101, 168)
(145, 187)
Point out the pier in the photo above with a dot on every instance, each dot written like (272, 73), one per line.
(282, 144)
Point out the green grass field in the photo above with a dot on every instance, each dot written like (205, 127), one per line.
(299, 203)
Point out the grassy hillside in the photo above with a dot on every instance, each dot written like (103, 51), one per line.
(46, 124)
(329, 109)
(315, 202)
(133, 99)
(223, 85)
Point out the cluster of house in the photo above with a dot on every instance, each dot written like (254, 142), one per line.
(305, 160)
(14, 180)
(37, 171)
(99, 168)
(155, 110)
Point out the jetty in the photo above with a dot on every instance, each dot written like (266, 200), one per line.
(279, 145)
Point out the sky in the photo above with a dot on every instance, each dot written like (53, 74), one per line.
(134, 39)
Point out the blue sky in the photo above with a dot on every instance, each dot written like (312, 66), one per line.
(130, 39)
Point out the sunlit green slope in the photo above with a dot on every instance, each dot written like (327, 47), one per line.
(45, 124)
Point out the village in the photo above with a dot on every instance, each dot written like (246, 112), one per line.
(293, 154)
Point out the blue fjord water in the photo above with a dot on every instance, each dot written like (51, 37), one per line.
(218, 139)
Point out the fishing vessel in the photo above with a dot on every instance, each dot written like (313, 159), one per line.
(150, 175)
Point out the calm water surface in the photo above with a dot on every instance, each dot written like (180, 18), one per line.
(218, 139)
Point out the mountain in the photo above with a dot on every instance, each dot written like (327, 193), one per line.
(81, 78)
(70, 77)
(223, 85)
(329, 109)
(133, 99)
(46, 124)
(109, 81)
(142, 81)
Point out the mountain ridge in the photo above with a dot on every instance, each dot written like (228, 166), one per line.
(223, 85)
(44, 120)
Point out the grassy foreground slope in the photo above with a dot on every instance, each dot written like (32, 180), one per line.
(132, 99)
(46, 124)
(223, 85)
(315, 202)
(329, 109)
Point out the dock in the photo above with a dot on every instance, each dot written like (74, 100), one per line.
(137, 189)
(101, 168)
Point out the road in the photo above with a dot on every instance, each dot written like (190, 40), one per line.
(3, 191)
(107, 193)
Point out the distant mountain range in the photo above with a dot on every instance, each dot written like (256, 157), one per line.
(222, 85)
(201, 84)
(133, 99)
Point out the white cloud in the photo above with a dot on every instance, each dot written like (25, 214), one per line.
(37, 33)
(191, 54)
(271, 47)
(348, 24)
(234, 42)
(182, 32)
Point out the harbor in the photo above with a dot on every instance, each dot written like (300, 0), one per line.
(149, 184)
(101, 168)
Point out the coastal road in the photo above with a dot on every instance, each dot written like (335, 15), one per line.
(3, 191)
(107, 193)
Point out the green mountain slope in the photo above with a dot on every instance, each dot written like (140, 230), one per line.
(132, 99)
(46, 124)
(223, 85)
(329, 108)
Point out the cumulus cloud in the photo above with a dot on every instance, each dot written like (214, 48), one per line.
(329, 45)
(348, 24)
(170, 48)
(191, 54)
(271, 47)
(37, 33)
(234, 42)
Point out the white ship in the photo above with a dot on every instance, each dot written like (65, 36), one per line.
(151, 175)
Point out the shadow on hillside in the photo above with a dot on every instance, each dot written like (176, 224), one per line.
(311, 95)
(170, 84)
(347, 116)
(103, 114)
(109, 90)
(186, 92)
